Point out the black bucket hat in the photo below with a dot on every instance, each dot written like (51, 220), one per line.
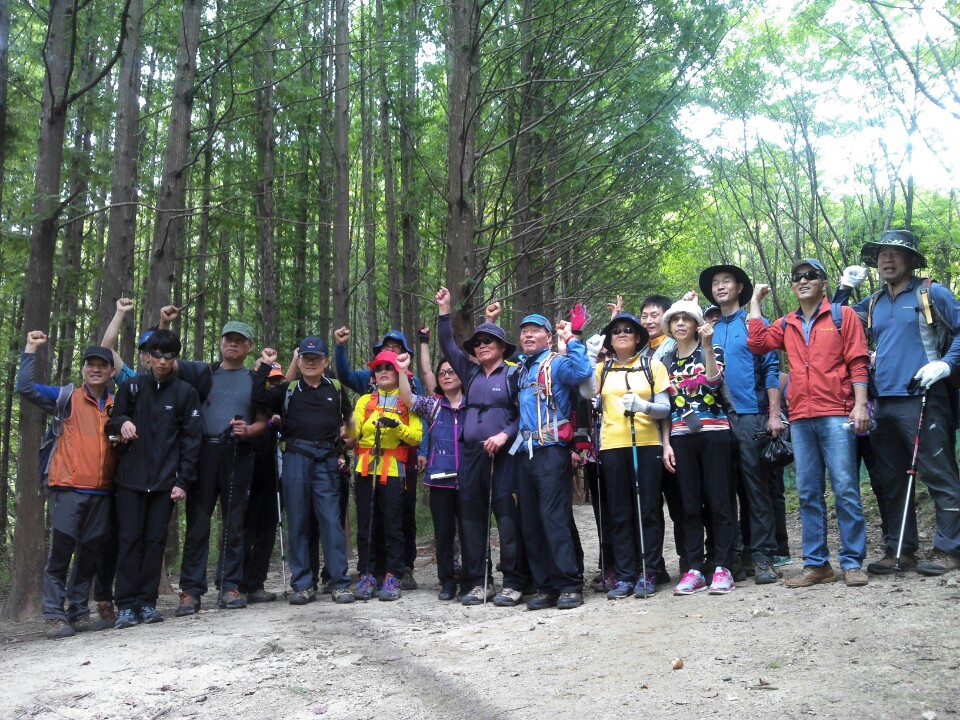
(493, 330)
(892, 238)
(706, 283)
(643, 337)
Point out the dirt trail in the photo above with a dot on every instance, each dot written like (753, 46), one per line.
(889, 650)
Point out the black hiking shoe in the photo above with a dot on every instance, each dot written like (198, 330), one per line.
(189, 605)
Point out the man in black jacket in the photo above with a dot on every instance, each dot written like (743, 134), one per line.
(156, 419)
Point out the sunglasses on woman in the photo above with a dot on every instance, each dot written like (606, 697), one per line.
(623, 330)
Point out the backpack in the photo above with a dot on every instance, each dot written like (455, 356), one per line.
(562, 429)
(53, 432)
(644, 366)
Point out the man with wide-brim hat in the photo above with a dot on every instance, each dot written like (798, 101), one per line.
(912, 320)
(489, 425)
(742, 283)
(753, 386)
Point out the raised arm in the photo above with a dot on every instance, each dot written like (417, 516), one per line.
(426, 365)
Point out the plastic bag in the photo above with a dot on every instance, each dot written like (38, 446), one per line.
(775, 452)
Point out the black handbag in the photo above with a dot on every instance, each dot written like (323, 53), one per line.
(775, 452)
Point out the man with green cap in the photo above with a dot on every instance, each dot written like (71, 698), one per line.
(224, 468)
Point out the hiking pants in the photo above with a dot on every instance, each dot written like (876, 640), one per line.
(79, 522)
(223, 473)
(703, 476)
(759, 483)
(260, 524)
(896, 431)
(388, 510)
(545, 484)
(144, 517)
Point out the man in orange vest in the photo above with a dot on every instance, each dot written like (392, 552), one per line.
(80, 473)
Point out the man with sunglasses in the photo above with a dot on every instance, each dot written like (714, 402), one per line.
(225, 466)
(157, 420)
(828, 358)
(489, 424)
(753, 384)
(915, 324)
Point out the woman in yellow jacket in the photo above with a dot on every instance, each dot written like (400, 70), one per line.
(386, 431)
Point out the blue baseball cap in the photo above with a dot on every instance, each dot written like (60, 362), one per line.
(143, 339)
(535, 319)
(396, 336)
(312, 346)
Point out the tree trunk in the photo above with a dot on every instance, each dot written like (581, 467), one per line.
(389, 186)
(4, 74)
(341, 162)
(462, 68)
(117, 279)
(169, 227)
(266, 203)
(366, 172)
(29, 547)
(408, 197)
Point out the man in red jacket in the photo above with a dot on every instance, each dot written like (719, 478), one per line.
(827, 352)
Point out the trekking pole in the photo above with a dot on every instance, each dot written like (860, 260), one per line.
(283, 553)
(488, 562)
(596, 457)
(225, 530)
(911, 474)
(373, 489)
(636, 491)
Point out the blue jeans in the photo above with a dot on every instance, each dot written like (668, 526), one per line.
(313, 486)
(818, 443)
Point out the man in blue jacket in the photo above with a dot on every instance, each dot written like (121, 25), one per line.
(544, 472)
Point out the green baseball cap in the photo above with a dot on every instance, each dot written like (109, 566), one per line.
(241, 328)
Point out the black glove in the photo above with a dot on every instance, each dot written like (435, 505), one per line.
(423, 334)
(386, 422)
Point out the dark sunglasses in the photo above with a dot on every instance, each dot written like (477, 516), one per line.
(805, 275)
(157, 355)
(486, 340)
(623, 330)
(383, 368)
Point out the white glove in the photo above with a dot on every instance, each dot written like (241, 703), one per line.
(931, 373)
(635, 404)
(594, 346)
(853, 275)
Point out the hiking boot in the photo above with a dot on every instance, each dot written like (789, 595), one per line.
(448, 591)
(391, 589)
(766, 574)
(691, 582)
(231, 600)
(83, 623)
(108, 616)
(887, 566)
(126, 618)
(58, 629)
(569, 600)
(722, 582)
(261, 596)
(149, 615)
(813, 575)
(366, 586)
(855, 577)
(408, 581)
(781, 560)
(622, 589)
(189, 605)
(342, 595)
(646, 585)
(477, 596)
(508, 597)
(541, 601)
(302, 597)
(938, 563)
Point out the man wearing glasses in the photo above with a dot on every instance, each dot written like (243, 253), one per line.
(490, 424)
(828, 358)
(225, 466)
(753, 382)
(156, 418)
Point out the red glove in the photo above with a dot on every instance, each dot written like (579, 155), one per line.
(578, 318)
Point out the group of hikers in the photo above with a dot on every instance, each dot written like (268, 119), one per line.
(674, 405)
